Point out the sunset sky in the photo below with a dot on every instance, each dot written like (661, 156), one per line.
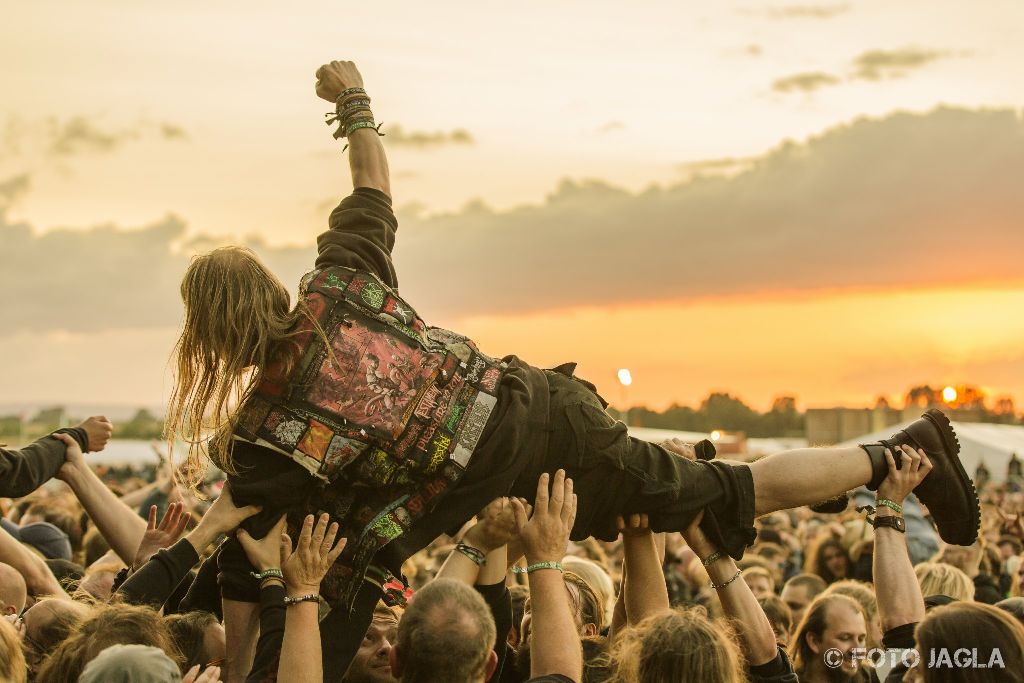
(820, 199)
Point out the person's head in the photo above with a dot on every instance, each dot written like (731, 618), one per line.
(371, 663)
(235, 311)
(597, 579)
(12, 662)
(48, 623)
(759, 581)
(779, 616)
(447, 633)
(1014, 607)
(13, 592)
(679, 645)
(865, 597)
(800, 591)
(60, 516)
(131, 664)
(1017, 576)
(199, 637)
(587, 610)
(984, 631)
(519, 595)
(828, 559)
(108, 625)
(936, 578)
(831, 622)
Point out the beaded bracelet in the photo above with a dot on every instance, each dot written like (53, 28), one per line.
(718, 587)
(275, 573)
(476, 555)
(892, 505)
(353, 127)
(311, 597)
(712, 558)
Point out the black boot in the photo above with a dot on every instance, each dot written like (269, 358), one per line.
(947, 490)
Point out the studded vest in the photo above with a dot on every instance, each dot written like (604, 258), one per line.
(386, 415)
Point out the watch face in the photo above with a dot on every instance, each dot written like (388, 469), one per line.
(900, 524)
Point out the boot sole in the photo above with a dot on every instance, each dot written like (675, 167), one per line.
(952, 444)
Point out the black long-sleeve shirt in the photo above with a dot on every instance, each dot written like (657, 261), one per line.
(154, 581)
(23, 471)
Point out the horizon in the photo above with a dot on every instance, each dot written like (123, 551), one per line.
(766, 198)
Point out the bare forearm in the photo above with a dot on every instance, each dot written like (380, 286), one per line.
(300, 652)
(899, 595)
(645, 590)
(740, 605)
(555, 648)
(368, 162)
(118, 523)
(38, 578)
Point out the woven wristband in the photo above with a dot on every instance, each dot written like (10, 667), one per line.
(358, 125)
(350, 91)
(892, 505)
(712, 558)
(267, 574)
(544, 565)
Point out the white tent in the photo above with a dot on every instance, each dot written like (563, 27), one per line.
(992, 444)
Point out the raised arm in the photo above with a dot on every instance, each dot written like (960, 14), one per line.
(899, 595)
(644, 590)
(738, 603)
(366, 156)
(555, 645)
(120, 526)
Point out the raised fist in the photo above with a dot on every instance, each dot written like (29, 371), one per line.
(335, 77)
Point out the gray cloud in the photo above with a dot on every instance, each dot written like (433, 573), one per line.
(804, 82)
(79, 135)
(808, 11)
(13, 188)
(906, 200)
(875, 65)
(417, 139)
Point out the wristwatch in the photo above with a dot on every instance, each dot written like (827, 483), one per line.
(891, 521)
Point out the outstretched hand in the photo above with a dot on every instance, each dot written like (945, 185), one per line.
(545, 535)
(264, 553)
(305, 567)
(74, 459)
(334, 77)
(164, 535)
(495, 526)
(899, 483)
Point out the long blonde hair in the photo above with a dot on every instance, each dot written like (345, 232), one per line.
(678, 645)
(236, 310)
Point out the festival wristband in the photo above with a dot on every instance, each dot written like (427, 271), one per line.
(312, 597)
(474, 554)
(892, 505)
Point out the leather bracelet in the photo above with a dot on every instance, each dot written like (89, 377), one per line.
(266, 573)
(892, 505)
(311, 597)
(712, 558)
(718, 587)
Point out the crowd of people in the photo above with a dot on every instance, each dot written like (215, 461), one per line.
(391, 504)
(102, 580)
